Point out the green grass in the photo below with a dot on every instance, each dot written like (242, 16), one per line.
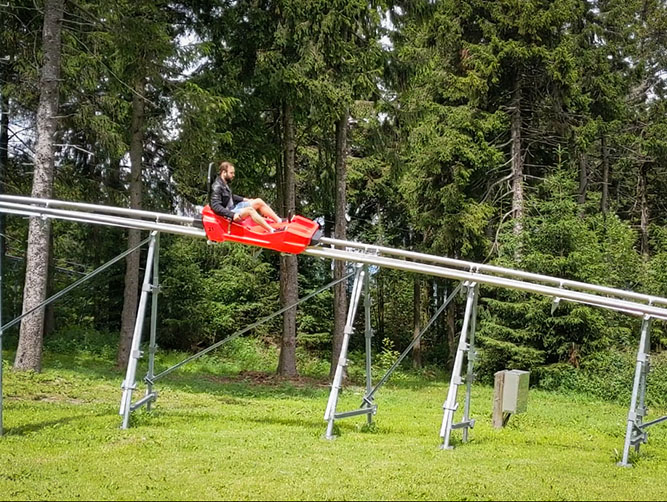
(218, 435)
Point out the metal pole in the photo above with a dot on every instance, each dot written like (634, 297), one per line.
(368, 332)
(208, 181)
(473, 275)
(152, 347)
(641, 409)
(471, 364)
(450, 404)
(330, 412)
(46, 302)
(2, 256)
(632, 413)
(129, 383)
(31, 207)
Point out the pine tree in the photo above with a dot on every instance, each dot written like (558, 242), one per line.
(29, 351)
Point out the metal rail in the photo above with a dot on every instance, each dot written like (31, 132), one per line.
(494, 270)
(637, 309)
(43, 206)
(621, 301)
(99, 208)
(101, 219)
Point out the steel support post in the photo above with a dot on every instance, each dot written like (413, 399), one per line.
(368, 333)
(641, 408)
(633, 432)
(472, 355)
(450, 404)
(329, 414)
(152, 346)
(129, 384)
(2, 247)
(2, 431)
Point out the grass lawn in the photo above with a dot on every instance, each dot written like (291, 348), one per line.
(253, 436)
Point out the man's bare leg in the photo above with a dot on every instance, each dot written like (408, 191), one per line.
(256, 217)
(264, 209)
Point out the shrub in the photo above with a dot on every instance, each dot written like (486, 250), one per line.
(74, 339)
(606, 375)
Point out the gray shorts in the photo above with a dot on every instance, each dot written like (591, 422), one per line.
(241, 205)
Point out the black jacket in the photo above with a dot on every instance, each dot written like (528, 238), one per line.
(222, 199)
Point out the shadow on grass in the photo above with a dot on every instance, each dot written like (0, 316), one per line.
(312, 424)
(256, 385)
(246, 384)
(25, 429)
(167, 417)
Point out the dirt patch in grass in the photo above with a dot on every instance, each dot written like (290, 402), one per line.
(58, 399)
(270, 379)
(52, 398)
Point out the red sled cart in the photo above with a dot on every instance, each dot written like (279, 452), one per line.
(297, 234)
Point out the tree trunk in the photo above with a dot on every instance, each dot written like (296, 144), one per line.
(4, 127)
(340, 290)
(583, 178)
(131, 293)
(289, 279)
(29, 351)
(604, 203)
(380, 306)
(4, 158)
(517, 166)
(451, 334)
(643, 209)
(416, 321)
(49, 310)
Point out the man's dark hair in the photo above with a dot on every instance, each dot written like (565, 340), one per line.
(224, 166)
